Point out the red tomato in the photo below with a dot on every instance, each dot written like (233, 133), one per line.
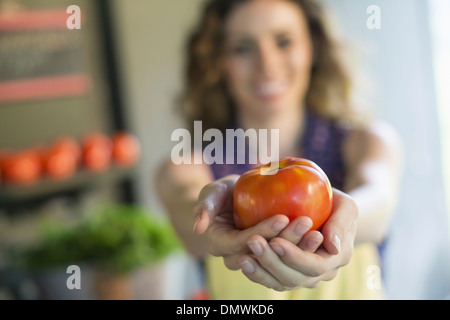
(62, 158)
(97, 152)
(3, 155)
(299, 188)
(126, 149)
(22, 167)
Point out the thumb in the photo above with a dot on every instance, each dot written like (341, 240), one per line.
(214, 198)
(343, 217)
(204, 213)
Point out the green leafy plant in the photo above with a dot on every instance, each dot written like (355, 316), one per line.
(118, 238)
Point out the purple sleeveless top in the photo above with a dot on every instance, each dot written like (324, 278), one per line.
(321, 143)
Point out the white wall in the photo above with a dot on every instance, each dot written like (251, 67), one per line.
(398, 60)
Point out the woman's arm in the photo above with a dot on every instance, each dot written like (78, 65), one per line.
(194, 202)
(373, 160)
(178, 187)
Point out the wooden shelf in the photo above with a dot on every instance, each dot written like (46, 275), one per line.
(14, 196)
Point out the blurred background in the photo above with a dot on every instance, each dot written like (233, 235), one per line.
(86, 117)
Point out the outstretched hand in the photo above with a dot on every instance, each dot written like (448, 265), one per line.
(276, 253)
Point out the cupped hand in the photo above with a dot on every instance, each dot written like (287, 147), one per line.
(214, 215)
(276, 253)
(281, 265)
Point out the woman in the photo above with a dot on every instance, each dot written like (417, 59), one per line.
(273, 64)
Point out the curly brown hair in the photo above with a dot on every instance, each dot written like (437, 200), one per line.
(206, 96)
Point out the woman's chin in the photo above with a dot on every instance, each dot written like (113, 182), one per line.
(272, 108)
(264, 109)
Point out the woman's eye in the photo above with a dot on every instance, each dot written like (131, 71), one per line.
(242, 49)
(283, 43)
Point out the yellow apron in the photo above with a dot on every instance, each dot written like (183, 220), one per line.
(358, 280)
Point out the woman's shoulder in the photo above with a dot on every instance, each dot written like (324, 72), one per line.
(376, 139)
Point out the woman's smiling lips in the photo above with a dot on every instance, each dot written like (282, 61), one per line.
(269, 90)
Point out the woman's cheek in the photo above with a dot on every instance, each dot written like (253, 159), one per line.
(300, 68)
(237, 76)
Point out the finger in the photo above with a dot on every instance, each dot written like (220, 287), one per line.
(226, 241)
(201, 221)
(254, 272)
(311, 241)
(315, 282)
(343, 217)
(296, 229)
(307, 263)
(213, 198)
(271, 262)
(231, 261)
(268, 228)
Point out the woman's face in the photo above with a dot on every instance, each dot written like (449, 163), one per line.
(268, 57)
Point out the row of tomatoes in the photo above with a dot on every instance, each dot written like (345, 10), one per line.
(62, 158)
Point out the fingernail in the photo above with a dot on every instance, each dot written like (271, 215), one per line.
(197, 220)
(256, 247)
(337, 243)
(278, 226)
(195, 223)
(312, 244)
(302, 228)
(247, 266)
(278, 249)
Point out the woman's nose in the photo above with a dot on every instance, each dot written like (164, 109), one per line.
(268, 60)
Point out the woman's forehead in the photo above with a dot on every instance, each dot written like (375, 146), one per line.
(258, 17)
